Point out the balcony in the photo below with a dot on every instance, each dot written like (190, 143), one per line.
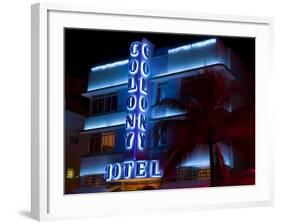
(167, 109)
(108, 120)
(108, 75)
(189, 57)
(95, 164)
(183, 58)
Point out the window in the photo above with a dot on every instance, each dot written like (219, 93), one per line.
(94, 180)
(70, 173)
(204, 173)
(161, 92)
(104, 142)
(193, 173)
(95, 143)
(108, 141)
(104, 104)
(161, 136)
(98, 106)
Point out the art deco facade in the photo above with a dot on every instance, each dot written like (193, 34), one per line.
(170, 70)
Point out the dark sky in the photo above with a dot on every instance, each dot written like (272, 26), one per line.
(85, 48)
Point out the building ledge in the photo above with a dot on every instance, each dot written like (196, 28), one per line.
(105, 120)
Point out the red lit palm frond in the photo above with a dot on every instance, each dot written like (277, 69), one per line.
(209, 119)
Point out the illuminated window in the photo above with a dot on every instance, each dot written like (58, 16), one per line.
(99, 180)
(180, 174)
(104, 104)
(204, 173)
(193, 173)
(104, 142)
(187, 173)
(108, 141)
(70, 173)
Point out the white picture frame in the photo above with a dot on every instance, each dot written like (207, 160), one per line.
(48, 201)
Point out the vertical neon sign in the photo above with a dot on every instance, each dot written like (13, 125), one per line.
(137, 101)
(136, 120)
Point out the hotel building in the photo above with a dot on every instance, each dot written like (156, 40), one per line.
(106, 127)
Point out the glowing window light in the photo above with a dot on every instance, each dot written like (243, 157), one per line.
(70, 173)
(190, 46)
(109, 65)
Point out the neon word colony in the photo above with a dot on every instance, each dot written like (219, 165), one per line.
(136, 119)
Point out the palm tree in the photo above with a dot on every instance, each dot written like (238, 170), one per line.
(209, 120)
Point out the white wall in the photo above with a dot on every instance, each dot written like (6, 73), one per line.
(15, 110)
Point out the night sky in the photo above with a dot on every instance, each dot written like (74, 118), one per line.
(86, 48)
